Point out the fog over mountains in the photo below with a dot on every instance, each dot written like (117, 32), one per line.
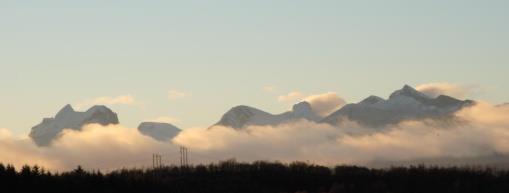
(404, 104)
(407, 127)
(50, 129)
(242, 116)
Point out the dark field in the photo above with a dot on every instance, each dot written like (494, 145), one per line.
(258, 177)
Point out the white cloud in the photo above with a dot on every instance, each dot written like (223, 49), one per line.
(176, 94)
(326, 103)
(443, 88)
(324, 144)
(291, 97)
(269, 88)
(95, 147)
(5, 133)
(484, 132)
(19, 151)
(106, 147)
(107, 100)
(164, 119)
(323, 104)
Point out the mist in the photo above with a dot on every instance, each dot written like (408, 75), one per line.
(480, 132)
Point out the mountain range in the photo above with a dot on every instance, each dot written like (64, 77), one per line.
(404, 104)
(242, 116)
(50, 129)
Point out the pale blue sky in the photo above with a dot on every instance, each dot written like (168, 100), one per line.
(224, 52)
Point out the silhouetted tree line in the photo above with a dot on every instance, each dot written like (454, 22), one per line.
(258, 177)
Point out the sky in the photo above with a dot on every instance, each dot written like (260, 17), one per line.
(191, 61)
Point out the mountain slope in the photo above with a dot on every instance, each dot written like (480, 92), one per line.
(404, 104)
(242, 116)
(67, 118)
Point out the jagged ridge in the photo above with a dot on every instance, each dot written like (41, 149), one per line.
(242, 116)
(404, 104)
(67, 118)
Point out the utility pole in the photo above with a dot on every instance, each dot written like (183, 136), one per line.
(159, 162)
(184, 159)
(156, 161)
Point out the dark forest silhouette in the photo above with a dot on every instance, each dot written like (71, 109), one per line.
(258, 177)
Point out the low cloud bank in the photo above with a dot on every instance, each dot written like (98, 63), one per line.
(95, 147)
(483, 131)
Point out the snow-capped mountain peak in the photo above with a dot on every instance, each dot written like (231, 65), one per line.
(64, 111)
(409, 91)
(242, 116)
(404, 104)
(371, 100)
(98, 108)
(67, 118)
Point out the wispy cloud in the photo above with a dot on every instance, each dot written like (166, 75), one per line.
(291, 97)
(269, 88)
(443, 88)
(326, 103)
(107, 100)
(323, 104)
(177, 94)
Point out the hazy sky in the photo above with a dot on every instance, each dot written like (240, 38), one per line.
(218, 54)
